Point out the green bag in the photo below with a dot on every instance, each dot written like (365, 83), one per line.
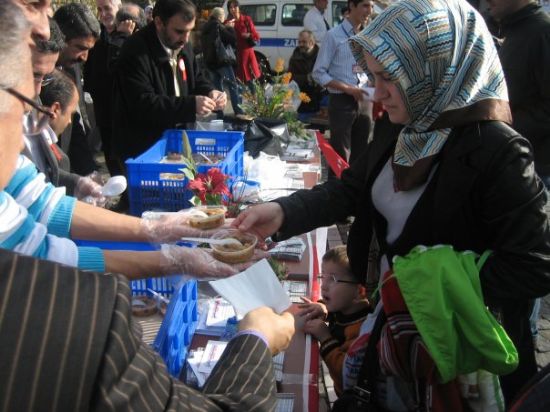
(442, 291)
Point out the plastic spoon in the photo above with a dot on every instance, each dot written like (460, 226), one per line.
(114, 186)
(228, 241)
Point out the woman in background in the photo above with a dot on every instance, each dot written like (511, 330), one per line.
(221, 72)
(247, 65)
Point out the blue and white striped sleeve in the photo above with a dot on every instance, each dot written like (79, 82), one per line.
(21, 233)
(47, 204)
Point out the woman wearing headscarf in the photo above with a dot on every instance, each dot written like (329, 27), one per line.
(448, 169)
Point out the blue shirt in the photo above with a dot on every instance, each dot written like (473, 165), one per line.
(335, 61)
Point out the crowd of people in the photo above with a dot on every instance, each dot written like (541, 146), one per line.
(69, 333)
(459, 158)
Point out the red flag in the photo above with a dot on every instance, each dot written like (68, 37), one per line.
(334, 160)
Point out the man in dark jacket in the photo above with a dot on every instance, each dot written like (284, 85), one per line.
(525, 57)
(98, 78)
(81, 30)
(301, 65)
(157, 85)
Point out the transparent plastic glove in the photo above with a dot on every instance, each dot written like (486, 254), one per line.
(88, 189)
(166, 227)
(200, 263)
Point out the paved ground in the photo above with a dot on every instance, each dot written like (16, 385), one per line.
(543, 341)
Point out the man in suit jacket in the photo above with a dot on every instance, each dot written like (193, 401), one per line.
(68, 343)
(157, 84)
(67, 340)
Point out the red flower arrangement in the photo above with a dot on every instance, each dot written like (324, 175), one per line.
(210, 188)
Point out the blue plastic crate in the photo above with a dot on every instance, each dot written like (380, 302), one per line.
(177, 328)
(147, 191)
(181, 318)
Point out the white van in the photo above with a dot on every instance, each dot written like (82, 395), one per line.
(278, 23)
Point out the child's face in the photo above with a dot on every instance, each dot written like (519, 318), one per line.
(338, 297)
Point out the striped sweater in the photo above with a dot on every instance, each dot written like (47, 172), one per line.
(35, 220)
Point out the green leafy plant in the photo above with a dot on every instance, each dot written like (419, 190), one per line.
(279, 268)
(276, 100)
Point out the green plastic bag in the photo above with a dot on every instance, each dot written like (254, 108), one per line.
(442, 291)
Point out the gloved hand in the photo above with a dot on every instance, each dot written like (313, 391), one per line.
(88, 189)
(166, 227)
(200, 263)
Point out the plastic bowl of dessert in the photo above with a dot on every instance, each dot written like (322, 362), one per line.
(232, 253)
(207, 217)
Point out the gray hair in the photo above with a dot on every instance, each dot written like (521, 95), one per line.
(126, 12)
(14, 38)
(309, 33)
(217, 12)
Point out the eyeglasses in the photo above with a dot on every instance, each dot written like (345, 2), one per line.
(330, 278)
(41, 115)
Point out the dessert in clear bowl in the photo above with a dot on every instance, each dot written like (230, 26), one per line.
(207, 217)
(231, 253)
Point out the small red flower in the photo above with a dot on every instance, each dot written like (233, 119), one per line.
(198, 184)
(210, 188)
(216, 176)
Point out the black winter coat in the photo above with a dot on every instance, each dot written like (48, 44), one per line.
(301, 66)
(98, 77)
(144, 100)
(525, 57)
(213, 29)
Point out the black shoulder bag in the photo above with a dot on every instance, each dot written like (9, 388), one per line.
(225, 54)
(249, 40)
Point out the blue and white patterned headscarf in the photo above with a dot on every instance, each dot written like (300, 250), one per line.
(443, 58)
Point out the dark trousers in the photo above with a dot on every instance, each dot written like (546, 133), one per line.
(111, 160)
(349, 129)
(515, 320)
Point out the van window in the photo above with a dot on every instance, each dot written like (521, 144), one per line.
(261, 14)
(337, 7)
(293, 14)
